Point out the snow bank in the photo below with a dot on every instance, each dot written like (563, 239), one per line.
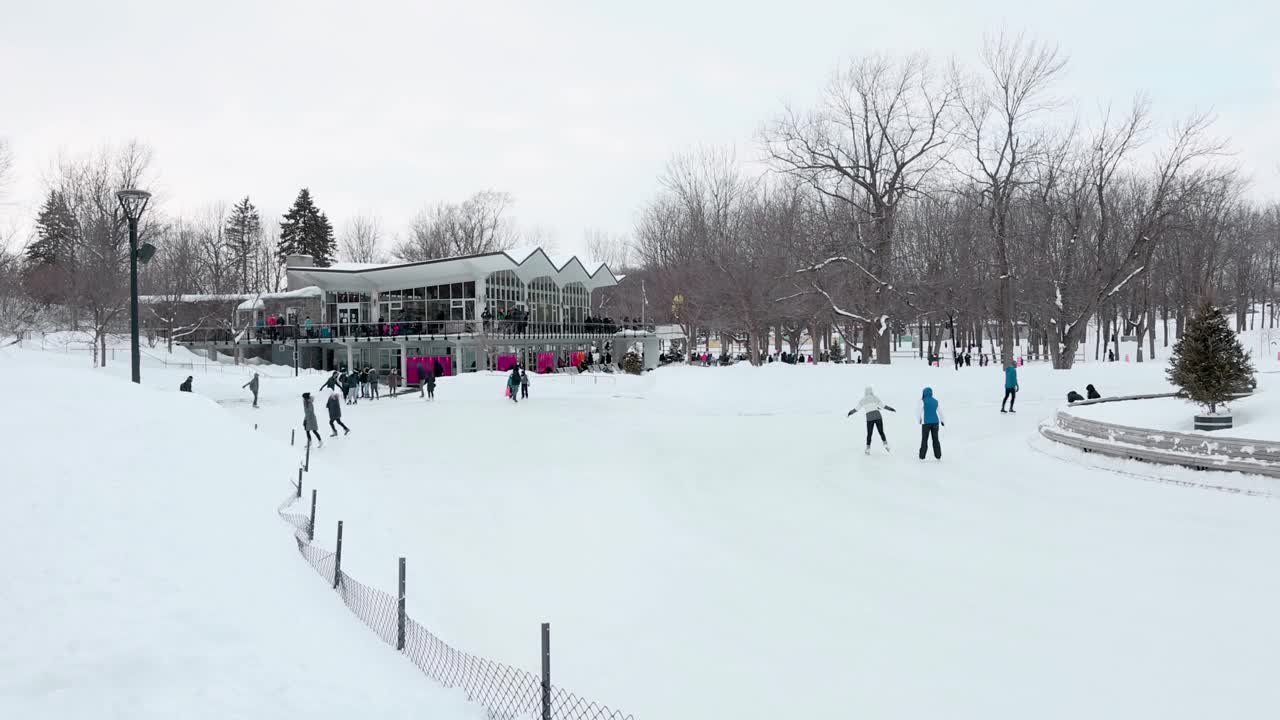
(149, 577)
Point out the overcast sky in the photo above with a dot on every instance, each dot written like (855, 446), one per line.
(573, 107)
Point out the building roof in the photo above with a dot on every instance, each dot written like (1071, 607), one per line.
(304, 292)
(526, 263)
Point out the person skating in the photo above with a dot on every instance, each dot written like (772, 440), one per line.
(431, 386)
(373, 383)
(344, 385)
(364, 383)
(309, 424)
(524, 385)
(393, 381)
(872, 405)
(513, 384)
(1010, 387)
(335, 415)
(330, 384)
(253, 388)
(1092, 393)
(930, 416)
(186, 385)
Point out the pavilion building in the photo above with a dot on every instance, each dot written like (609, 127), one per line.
(459, 314)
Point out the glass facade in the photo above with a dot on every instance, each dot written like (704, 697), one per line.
(544, 305)
(503, 293)
(541, 306)
(576, 301)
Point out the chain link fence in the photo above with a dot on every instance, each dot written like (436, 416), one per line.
(506, 692)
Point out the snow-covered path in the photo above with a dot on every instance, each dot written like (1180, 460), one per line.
(713, 543)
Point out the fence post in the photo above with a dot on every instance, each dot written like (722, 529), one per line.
(311, 526)
(400, 611)
(546, 671)
(292, 433)
(306, 462)
(337, 558)
(299, 483)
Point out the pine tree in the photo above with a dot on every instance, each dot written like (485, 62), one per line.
(55, 242)
(1208, 363)
(306, 231)
(632, 364)
(243, 235)
(837, 352)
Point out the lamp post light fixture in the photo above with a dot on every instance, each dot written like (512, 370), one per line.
(133, 202)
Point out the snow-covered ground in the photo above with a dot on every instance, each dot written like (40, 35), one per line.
(1256, 416)
(711, 542)
(147, 575)
(706, 542)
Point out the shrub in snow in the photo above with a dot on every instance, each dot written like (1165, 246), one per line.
(1208, 363)
(632, 364)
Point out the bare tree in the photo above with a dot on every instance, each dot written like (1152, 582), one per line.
(878, 135)
(611, 249)
(100, 280)
(361, 240)
(478, 225)
(1000, 111)
(20, 312)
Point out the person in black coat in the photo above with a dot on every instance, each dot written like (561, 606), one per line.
(335, 415)
(186, 385)
(1092, 392)
(1074, 397)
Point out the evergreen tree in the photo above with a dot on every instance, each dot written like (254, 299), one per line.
(632, 364)
(243, 235)
(306, 231)
(837, 353)
(55, 242)
(1208, 363)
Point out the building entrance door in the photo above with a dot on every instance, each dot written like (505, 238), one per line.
(348, 318)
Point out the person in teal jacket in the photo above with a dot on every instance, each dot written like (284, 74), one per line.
(1010, 387)
(930, 417)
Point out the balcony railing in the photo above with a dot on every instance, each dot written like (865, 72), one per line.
(497, 330)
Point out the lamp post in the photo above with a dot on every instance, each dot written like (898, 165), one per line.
(133, 202)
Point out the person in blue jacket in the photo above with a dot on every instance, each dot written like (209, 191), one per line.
(930, 416)
(1010, 387)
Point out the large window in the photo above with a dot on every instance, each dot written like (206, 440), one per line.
(503, 293)
(577, 303)
(544, 305)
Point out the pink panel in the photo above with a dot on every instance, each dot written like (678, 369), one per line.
(546, 362)
(428, 363)
(506, 362)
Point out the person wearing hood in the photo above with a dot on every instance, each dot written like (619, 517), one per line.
(930, 417)
(1092, 393)
(309, 424)
(334, 405)
(1010, 387)
(513, 384)
(186, 384)
(1074, 397)
(253, 388)
(430, 382)
(872, 405)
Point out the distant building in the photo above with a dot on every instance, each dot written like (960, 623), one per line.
(463, 313)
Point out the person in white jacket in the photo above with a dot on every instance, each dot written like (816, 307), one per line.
(872, 405)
